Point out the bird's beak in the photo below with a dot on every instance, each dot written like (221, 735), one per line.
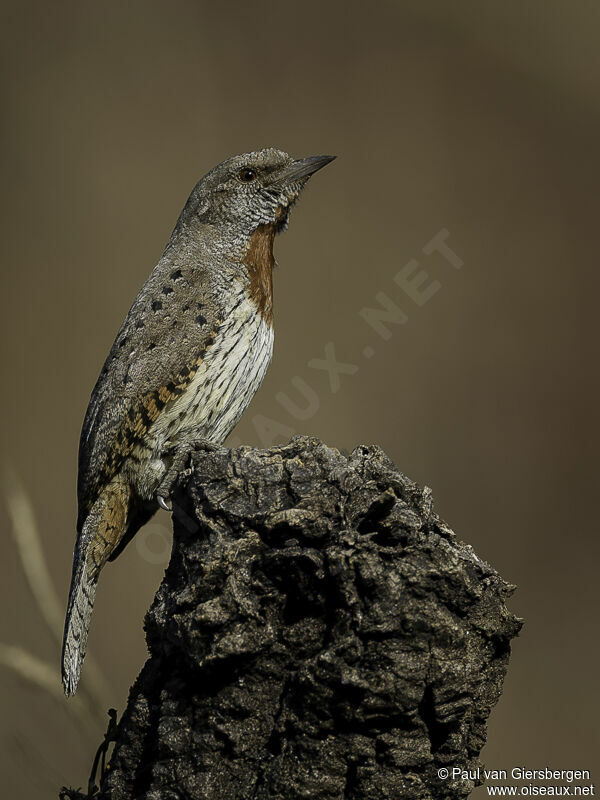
(302, 168)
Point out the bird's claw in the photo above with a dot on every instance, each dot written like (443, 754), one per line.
(176, 473)
(163, 503)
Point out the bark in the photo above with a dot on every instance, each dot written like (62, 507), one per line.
(319, 633)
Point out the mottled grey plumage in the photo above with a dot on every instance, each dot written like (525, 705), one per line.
(188, 359)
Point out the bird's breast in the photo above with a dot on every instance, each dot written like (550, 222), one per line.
(225, 382)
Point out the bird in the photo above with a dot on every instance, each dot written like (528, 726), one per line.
(186, 362)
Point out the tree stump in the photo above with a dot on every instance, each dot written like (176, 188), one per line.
(319, 633)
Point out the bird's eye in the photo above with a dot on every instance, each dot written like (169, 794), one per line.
(247, 175)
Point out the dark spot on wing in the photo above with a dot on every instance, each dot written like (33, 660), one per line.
(200, 319)
(167, 290)
(156, 305)
(151, 346)
(139, 323)
(176, 275)
(209, 342)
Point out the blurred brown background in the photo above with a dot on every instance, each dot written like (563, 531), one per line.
(479, 118)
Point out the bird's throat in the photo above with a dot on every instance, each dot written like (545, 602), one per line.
(259, 262)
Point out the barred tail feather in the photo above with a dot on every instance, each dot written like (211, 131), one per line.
(100, 536)
(77, 625)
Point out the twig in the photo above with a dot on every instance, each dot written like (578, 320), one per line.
(100, 759)
(44, 676)
(28, 541)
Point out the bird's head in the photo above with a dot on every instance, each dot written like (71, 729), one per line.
(253, 189)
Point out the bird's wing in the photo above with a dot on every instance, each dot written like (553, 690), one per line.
(159, 348)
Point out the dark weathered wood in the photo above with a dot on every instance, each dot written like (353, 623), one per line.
(320, 633)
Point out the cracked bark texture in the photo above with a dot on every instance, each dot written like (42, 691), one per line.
(319, 633)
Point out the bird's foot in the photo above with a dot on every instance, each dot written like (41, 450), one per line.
(178, 457)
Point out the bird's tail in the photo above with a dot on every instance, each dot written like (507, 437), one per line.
(77, 624)
(99, 536)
